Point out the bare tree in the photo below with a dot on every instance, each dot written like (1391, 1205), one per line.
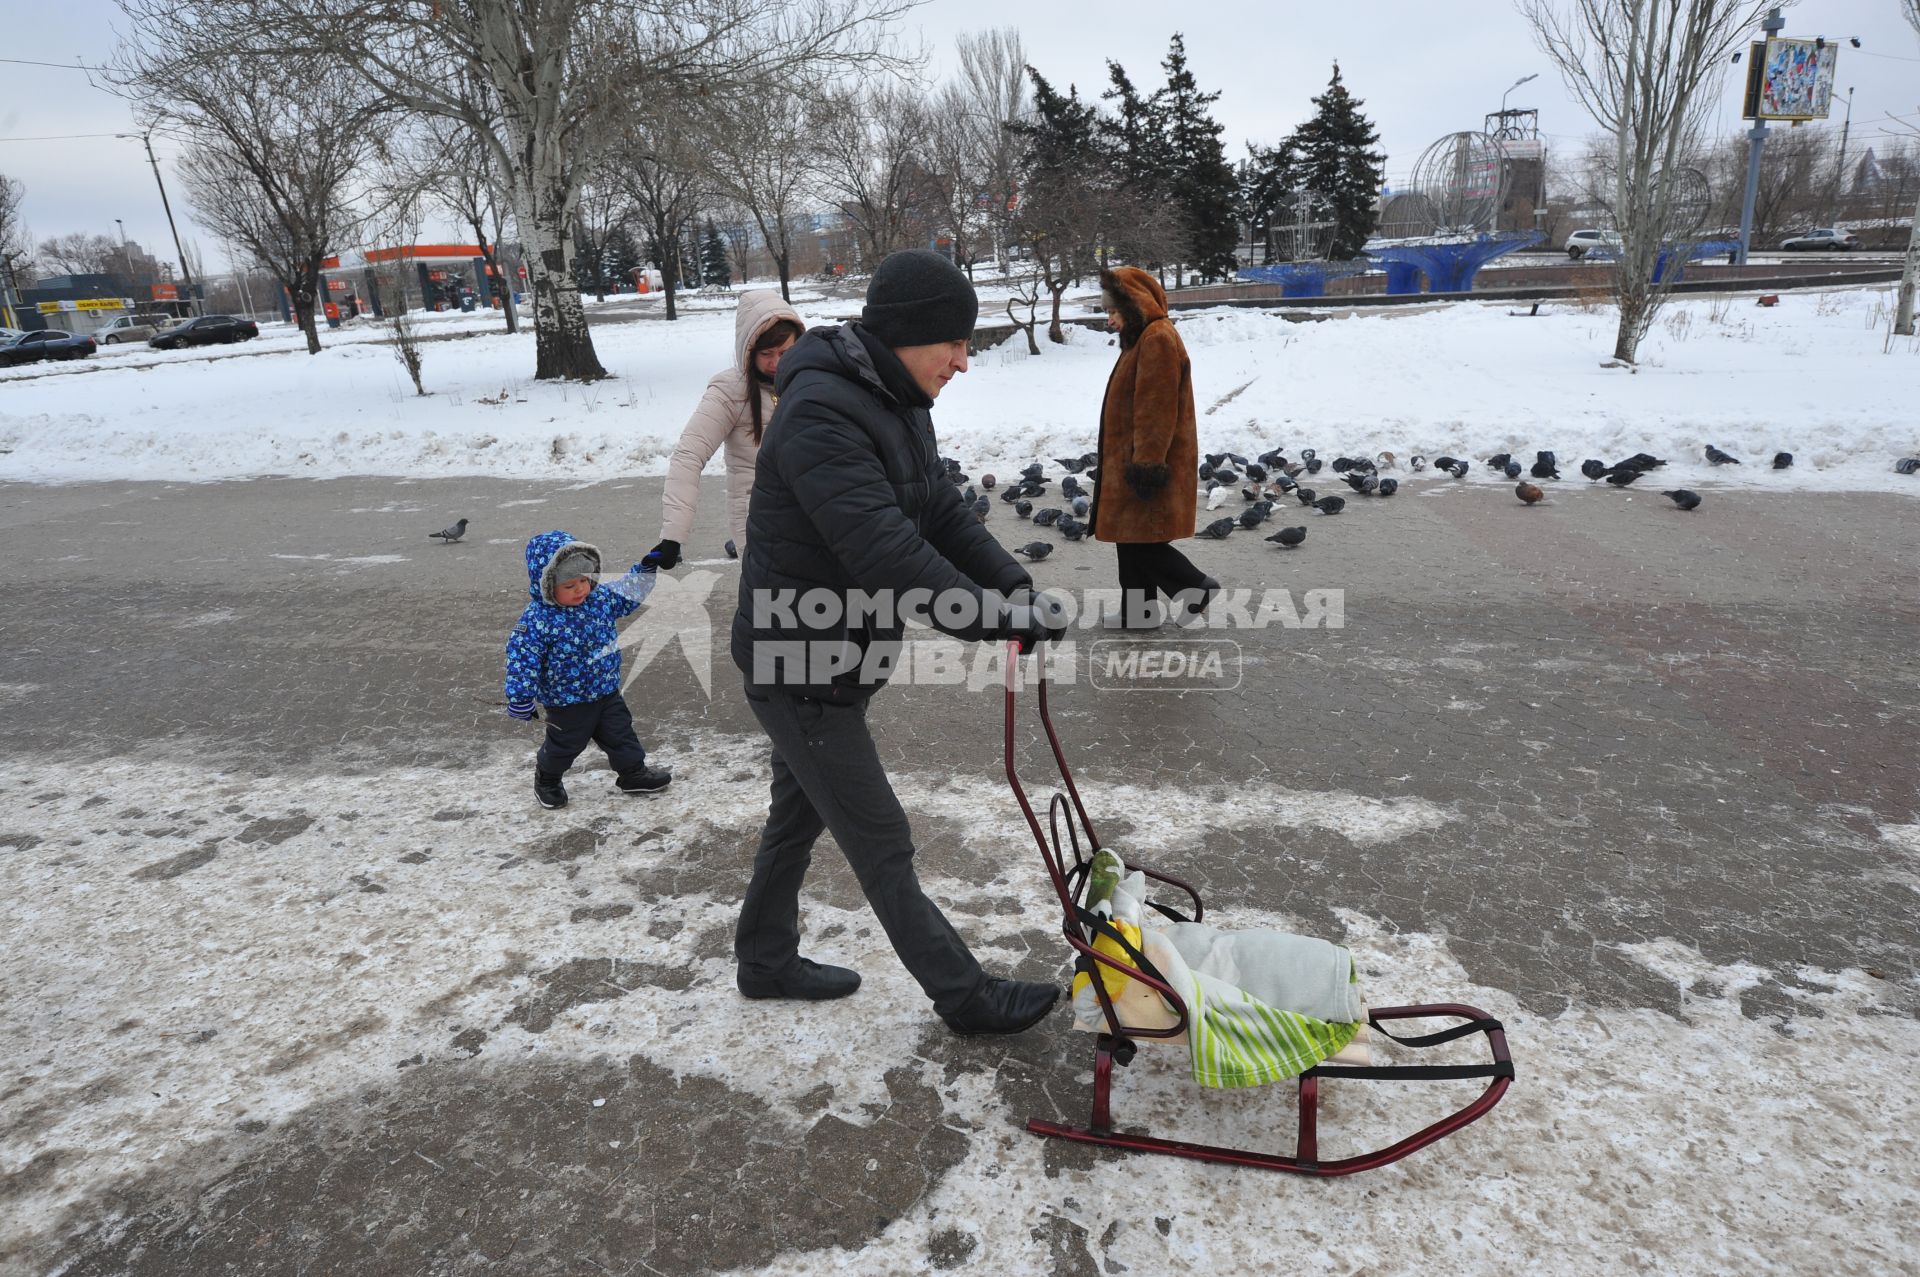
(268, 169)
(761, 154)
(556, 72)
(872, 163)
(993, 85)
(458, 173)
(1645, 70)
(79, 253)
(656, 164)
(1910, 274)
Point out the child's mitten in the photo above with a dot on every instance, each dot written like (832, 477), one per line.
(522, 710)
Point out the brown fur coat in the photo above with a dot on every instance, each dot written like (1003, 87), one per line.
(1149, 445)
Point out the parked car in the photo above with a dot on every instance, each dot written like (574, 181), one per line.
(8, 335)
(1580, 243)
(204, 330)
(132, 328)
(49, 343)
(1831, 238)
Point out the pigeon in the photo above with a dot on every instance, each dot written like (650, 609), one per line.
(1227, 476)
(1720, 458)
(1047, 517)
(1255, 515)
(1545, 466)
(1023, 508)
(1289, 537)
(1620, 477)
(1035, 550)
(1906, 465)
(1443, 463)
(1272, 457)
(1385, 461)
(1313, 465)
(1643, 461)
(968, 497)
(1206, 469)
(449, 535)
(1683, 498)
(1033, 471)
(1388, 487)
(1070, 487)
(1330, 505)
(1416, 463)
(1366, 483)
(1250, 494)
(733, 551)
(1214, 460)
(1237, 460)
(1306, 495)
(1342, 464)
(1218, 530)
(1071, 528)
(1528, 492)
(981, 507)
(1072, 465)
(987, 481)
(1080, 506)
(1284, 483)
(1511, 469)
(1593, 468)
(1498, 461)
(1459, 469)
(1308, 454)
(1254, 471)
(1216, 498)
(1782, 460)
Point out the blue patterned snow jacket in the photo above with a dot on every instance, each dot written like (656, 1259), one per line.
(567, 655)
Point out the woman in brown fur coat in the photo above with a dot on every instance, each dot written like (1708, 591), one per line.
(1149, 454)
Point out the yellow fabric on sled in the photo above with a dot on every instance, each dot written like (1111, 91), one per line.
(1114, 981)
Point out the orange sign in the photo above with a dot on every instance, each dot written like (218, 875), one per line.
(166, 292)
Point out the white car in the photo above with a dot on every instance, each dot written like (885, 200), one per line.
(131, 328)
(1830, 238)
(9, 335)
(1580, 243)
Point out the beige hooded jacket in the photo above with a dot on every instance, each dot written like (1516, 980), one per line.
(723, 417)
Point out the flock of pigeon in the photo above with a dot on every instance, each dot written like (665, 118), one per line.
(1269, 479)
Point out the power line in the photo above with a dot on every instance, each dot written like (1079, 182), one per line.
(62, 66)
(58, 137)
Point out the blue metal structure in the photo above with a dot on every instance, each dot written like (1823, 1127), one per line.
(1301, 279)
(1449, 263)
(1669, 257)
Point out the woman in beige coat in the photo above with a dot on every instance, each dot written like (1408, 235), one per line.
(733, 412)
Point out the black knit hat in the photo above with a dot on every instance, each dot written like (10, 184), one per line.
(919, 298)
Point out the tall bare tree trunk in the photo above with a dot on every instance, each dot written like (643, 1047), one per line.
(544, 206)
(1909, 277)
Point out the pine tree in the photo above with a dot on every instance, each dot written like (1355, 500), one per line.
(621, 255)
(1135, 135)
(713, 258)
(1268, 176)
(1200, 181)
(1340, 167)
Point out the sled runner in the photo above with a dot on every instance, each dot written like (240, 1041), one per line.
(1111, 954)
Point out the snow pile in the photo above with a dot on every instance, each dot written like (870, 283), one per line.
(1816, 376)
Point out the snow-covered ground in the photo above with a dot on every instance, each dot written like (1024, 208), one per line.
(1817, 376)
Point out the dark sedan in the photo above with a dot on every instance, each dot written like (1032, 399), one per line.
(204, 330)
(48, 343)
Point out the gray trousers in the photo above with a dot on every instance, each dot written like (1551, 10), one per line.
(827, 775)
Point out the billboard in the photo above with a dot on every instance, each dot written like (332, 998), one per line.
(1790, 79)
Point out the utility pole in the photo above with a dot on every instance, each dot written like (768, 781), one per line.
(1757, 138)
(1840, 170)
(126, 252)
(186, 276)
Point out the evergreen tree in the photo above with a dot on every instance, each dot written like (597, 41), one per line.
(620, 255)
(713, 258)
(1268, 177)
(1339, 165)
(1135, 135)
(1200, 181)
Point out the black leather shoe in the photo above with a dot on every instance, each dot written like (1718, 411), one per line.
(645, 781)
(549, 791)
(1004, 1006)
(805, 980)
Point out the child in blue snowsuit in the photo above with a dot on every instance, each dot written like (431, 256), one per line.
(563, 655)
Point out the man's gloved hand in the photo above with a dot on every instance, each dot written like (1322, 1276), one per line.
(1034, 618)
(522, 710)
(665, 556)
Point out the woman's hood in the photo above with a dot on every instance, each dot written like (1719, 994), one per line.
(1140, 297)
(758, 311)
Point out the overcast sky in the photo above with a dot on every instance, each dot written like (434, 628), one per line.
(1422, 69)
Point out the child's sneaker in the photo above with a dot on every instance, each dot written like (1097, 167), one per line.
(549, 791)
(645, 781)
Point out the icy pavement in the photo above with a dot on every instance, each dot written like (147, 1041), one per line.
(300, 979)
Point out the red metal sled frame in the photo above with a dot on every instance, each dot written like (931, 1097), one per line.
(1117, 1044)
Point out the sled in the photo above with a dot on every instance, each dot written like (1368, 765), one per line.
(1119, 1042)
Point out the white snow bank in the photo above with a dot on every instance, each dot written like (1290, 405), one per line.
(1815, 376)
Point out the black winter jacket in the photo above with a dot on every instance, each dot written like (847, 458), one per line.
(849, 494)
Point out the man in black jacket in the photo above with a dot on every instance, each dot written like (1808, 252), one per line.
(852, 525)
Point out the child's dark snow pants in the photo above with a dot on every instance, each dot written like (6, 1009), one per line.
(606, 722)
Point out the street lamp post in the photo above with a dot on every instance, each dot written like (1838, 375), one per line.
(1756, 139)
(1510, 88)
(186, 276)
(126, 252)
